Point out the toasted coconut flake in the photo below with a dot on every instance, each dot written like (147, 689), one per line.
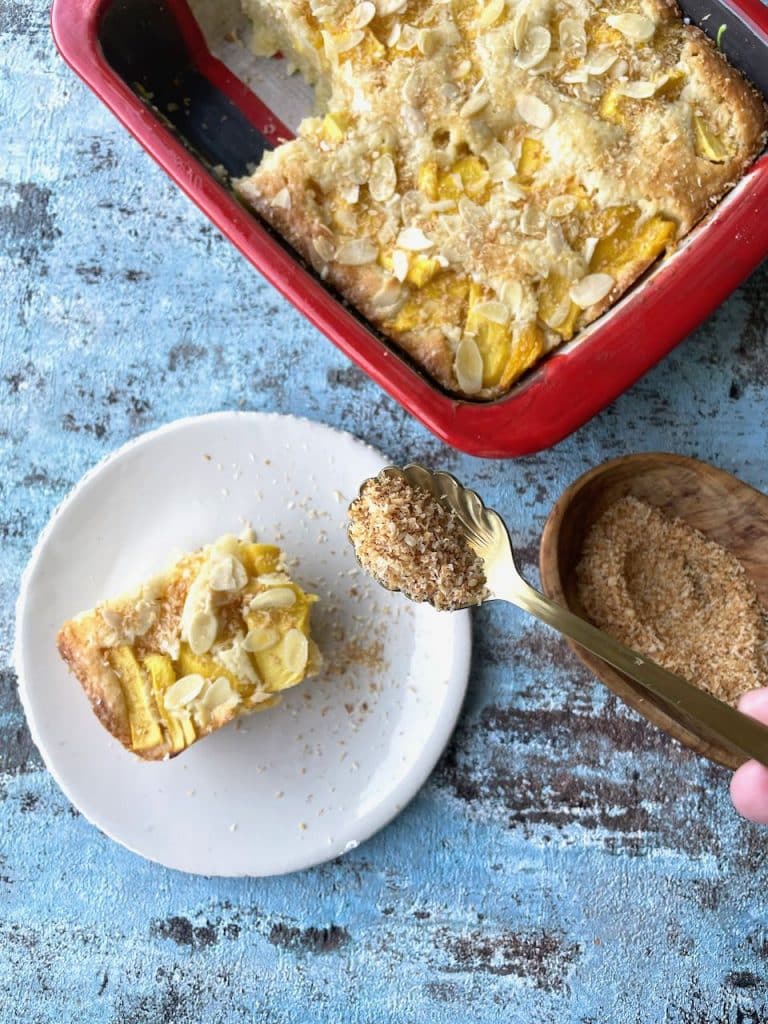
(591, 289)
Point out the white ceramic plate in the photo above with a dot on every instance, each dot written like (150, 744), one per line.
(343, 753)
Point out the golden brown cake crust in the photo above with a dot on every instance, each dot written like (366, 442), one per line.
(458, 153)
(80, 649)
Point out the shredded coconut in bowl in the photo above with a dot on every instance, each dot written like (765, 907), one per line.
(407, 540)
(661, 587)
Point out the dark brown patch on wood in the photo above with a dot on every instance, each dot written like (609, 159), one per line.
(310, 940)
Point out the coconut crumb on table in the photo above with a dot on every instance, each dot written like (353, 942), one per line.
(407, 540)
(659, 586)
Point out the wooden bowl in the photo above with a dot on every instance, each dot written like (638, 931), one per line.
(723, 508)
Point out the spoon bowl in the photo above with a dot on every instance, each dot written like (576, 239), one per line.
(723, 508)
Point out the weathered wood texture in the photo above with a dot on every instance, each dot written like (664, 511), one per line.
(566, 863)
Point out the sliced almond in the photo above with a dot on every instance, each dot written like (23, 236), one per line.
(183, 691)
(220, 692)
(636, 90)
(324, 247)
(383, 179)
(477, 101)
(350, 193)
(113, 619)
(573, 37)
(389, 294)
(357, 252)
(282, 199)
(430, 41)
(600, 60)
(275, 597)
(532, 220)
(468, 366)
(392, 38)
(363, 14)
(273, 579)
(386, 7)
(638, 28)
(561, 206)
(202, 632)
(519, 30)
(400, 264)
(502, 170)
(579, 76)
(534, 111)
(557, 316)
(512, 295)
(260, 638)
(494, 311)
(347, 41)
(295, 651)
(590, 245)
(228, 574)
(414, 240)
(491, 13)
(591, 289)
(535, 48)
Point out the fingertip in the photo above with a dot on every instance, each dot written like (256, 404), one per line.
(755, 704)
(749, 792)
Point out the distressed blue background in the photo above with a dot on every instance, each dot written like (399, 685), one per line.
(566, 862)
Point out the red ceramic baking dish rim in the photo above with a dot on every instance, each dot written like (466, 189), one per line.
(572, 385)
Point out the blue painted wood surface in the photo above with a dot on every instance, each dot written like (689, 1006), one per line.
(566, 862)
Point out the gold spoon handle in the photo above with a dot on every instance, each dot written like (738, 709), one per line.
(684, 702)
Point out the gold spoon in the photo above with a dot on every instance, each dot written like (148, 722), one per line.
(487, 535)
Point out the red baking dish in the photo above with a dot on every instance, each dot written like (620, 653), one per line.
(136, 55)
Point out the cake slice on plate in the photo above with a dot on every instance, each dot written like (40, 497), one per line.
(215, 637)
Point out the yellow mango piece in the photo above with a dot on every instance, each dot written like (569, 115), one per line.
(427, 180)
(145, 730)
(643, 244)
(190, 663)
(421, 270)
(474, 177)
(443, 300)
(528, 346)
(532, 157)
(615, 228)
(600, 33)
(708, 145)
(492, 339)
(613, 106)
(334, 126)
(552, 300)
(673, 86)
(259, 559)
(159, 668)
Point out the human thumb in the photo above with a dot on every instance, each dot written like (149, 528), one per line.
(749, 785)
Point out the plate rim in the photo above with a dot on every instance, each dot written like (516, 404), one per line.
(462, 621)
